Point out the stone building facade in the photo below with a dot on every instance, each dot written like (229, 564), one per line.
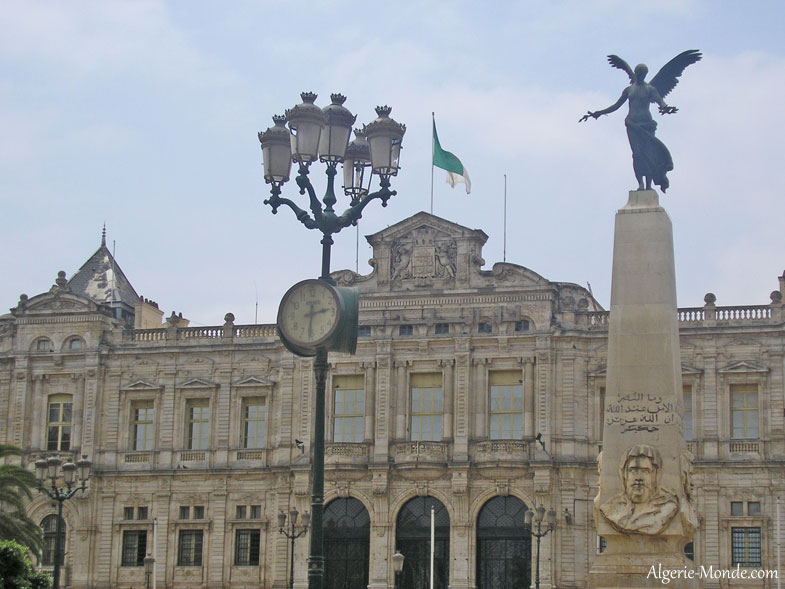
(473, 392)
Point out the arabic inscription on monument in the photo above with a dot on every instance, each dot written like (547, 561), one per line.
(639, 412)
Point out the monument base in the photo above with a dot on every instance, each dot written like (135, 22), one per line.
(631, 561)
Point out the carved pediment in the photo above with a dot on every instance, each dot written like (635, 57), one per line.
(253, 381)
(56, 302)
(141, 385)
(688, 369)
(505, 272)
(743, 366)
(197, 383)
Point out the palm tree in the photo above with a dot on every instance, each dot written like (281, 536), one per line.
(15, 486)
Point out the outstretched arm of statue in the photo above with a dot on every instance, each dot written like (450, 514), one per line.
(613, 107)
(663, 108)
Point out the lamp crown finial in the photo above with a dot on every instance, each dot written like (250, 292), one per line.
(383, 111)
(308, 97)
(337, 98)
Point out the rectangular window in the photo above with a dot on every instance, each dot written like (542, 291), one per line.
(254, 423)
(128, 513)
(745, 547)
(687, 415)
(141, 513)
(256, 512)
(240, 512)
(506, 404)
(406, 330)
(442, 328)
(737, 508)
(246, 548)
(142, 426)
(744, 411)
(189, 548)
(198, 511)
(522, 325)
(134, 548)
(197, 424)
(427, 407)
(753, 508)
(185, 512)
(58, 437)
(484, 327)
(348, 408)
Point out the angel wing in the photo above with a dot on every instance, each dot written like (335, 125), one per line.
(667, 78)
(619, 63)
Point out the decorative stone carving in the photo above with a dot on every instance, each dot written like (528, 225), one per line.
(644, 507)
(425, 253)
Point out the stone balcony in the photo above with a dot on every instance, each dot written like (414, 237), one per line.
(500, 459)
(419, 461)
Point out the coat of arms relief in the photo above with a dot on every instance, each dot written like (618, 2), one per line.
(424, 254)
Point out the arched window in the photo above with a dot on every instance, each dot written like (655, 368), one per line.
(43, 345)
(413, 539)
(347, 537)
(49, 526)
(503, 547)
(75, 344)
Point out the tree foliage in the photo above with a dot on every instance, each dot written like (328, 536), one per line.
(16, 485)
(16, 570)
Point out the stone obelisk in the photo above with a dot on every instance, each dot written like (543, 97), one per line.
(643, 508)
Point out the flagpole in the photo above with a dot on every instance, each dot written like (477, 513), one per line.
(433, 125)
(504, 255)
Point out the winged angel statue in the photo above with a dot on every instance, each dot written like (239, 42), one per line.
(650, 158)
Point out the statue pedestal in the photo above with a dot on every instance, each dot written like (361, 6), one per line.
(643, 508)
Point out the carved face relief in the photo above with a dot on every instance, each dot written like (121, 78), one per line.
(640, 479)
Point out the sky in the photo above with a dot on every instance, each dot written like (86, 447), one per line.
(143, 115)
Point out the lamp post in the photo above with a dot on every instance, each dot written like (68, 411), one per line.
(292, 534)
(538, 515)
(53, 468)
(323, 134)
(397, 565)
(149, 566)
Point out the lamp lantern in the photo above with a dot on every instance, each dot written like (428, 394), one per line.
(276, 152)
(306, 520)
(552, 518)
(384, 140)
(69, 473)
(540, 513)
(306, 122)
(527, 518)
(149, 563)
(335, 136)
(40, 470)
(356, 167)
(281, 519)
(84, 469)
(52, 464)
(398, 559)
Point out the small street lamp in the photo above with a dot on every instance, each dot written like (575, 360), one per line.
(538, 516)
(149, 566)
(397, 566)
(322, 134)
(292, 533)
(53, 469)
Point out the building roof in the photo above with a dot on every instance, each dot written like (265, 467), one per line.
(101, 279)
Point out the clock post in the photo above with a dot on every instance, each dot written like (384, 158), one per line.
(325, 317)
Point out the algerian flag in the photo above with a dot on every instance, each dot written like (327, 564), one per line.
(456, 172)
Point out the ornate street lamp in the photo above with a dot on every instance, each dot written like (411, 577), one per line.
(538, 516)
(149, 567)
(53, 469)
(397, 559)
(292, 533)
(323, 134)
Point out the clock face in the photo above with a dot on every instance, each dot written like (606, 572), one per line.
(309, 312)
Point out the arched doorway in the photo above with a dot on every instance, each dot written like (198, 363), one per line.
(413, 539)
(503, 547)
(347, 536)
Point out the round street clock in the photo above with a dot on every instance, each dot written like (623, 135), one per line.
(316, 314)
